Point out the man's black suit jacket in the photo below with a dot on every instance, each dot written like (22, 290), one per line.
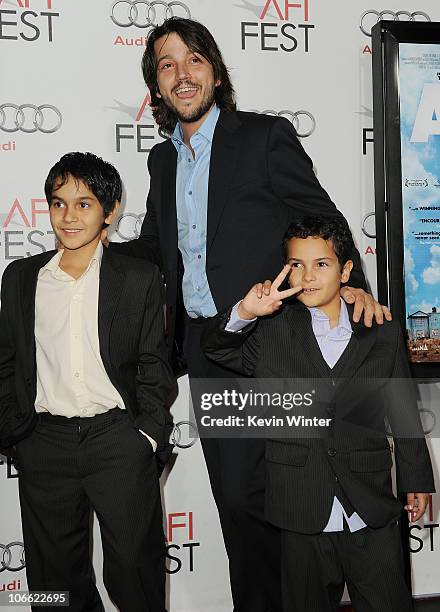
(303, 475)
(131, 340)
(260, 179)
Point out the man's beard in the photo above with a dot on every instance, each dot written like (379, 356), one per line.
(197, 113)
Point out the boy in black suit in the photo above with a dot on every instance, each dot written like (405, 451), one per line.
(331, 496)
(84, 393)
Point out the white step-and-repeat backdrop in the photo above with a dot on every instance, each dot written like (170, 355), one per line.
(70, 79)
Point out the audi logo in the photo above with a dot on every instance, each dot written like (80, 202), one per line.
(303, 121)
(29, 118)
(428, 428)
(128, 226)
(370, 17)
(184, 434)
(365, 231)
(12, 557)
(148, 16)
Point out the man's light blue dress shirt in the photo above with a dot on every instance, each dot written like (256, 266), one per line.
(192, 207)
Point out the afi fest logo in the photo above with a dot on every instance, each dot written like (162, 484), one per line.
(27, 20)
(370, 17)
(141, 15)
(19, 235)
(281, 26)
(138, 134)
(180, 528)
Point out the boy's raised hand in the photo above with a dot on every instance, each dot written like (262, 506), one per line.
(264, 298)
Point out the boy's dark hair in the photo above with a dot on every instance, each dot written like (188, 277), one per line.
(334, 229)
(199, 40)
(100, 176)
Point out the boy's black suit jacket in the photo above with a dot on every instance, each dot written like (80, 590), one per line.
(131, 340)
(303, 475)
(260, 179)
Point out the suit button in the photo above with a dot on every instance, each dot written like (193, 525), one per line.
(331, 452)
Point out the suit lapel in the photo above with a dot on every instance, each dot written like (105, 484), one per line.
(111, 280)
(305, 341)
(358, 348)
(28, 288)
(168, 208)
(353, 389)
(361, 343)
(222, 166)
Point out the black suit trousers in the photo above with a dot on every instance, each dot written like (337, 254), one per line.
(236, 471)
(67, 467)
(369, 561)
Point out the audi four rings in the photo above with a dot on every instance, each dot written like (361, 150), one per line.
(177, 436)
(392, 16)
(367, 233)
(44, 118)
(129, 230)
(12, 557)
(133, 16)
(294, 118)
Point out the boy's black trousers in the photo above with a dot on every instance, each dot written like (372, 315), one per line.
(69, 466)
(370, 561)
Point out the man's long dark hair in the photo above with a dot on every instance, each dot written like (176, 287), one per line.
(199, 40)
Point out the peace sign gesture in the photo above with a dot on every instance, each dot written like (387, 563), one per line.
(264, 298)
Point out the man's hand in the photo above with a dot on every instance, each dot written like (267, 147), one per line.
(364, 302)
(416, 505)
(264, 298)
(104, 237)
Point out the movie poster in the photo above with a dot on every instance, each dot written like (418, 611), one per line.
(419, 83)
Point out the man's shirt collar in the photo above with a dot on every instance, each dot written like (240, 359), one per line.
(206, 129)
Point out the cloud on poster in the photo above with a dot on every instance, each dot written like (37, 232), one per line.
(431, 275)
(411, 281)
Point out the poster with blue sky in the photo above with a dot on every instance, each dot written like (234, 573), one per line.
(419, 83)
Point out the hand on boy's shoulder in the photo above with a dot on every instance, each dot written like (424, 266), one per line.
(364, 303)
